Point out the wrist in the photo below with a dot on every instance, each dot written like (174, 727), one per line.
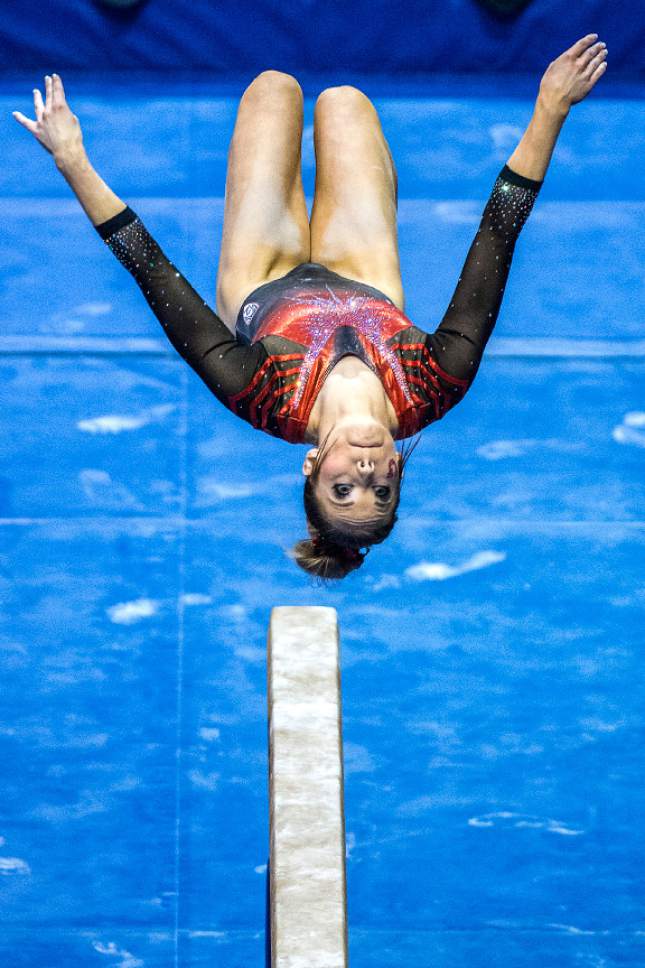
(553, 106)
(69, 161)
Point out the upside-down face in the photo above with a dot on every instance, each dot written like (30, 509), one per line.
(355, 475)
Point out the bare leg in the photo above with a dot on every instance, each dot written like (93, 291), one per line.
(353, 220)
(266, 226)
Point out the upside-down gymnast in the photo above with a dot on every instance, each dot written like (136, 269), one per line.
(310, 342)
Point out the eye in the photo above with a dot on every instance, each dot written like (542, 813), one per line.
(342, 490)
(382, 492)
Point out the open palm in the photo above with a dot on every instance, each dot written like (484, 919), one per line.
(54, 127)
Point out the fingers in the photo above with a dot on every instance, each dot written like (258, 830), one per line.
(59, 93)
(54, 97)
(591, 52)
(581, 45)
(49, 96)
(599, 71)
(25, 122)
(594, 63)
(39, 107)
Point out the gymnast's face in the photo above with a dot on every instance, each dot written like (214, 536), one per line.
(357, 478)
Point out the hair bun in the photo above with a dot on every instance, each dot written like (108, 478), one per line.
(351, 555)
(326, 559)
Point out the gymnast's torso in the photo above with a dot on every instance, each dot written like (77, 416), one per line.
(308, 321)
(291, 332)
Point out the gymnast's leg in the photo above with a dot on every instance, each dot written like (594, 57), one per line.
(353, 219)
(266, 225)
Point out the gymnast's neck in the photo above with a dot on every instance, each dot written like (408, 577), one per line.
(350, 392)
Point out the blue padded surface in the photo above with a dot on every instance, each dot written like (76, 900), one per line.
(378, 36)
(491, 647)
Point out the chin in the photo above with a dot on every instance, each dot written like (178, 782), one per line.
(365, 435)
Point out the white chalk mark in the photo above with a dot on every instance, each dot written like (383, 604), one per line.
(505, 136)
(439, 571)
(13, 865)
(128, 960)
(204, 781)
(118, 423)
(212, 490)
(520, 821)
(99, 488)
(196, 599)
(631, 430)
(127, 613)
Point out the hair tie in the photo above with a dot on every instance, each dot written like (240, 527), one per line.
(353, 555)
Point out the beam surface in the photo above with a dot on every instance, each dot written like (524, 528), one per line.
(307, 868)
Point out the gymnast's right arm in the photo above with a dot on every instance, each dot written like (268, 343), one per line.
(200, 337)
(197, 333)
(224, 363)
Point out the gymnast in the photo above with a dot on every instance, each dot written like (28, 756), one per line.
(310, 342)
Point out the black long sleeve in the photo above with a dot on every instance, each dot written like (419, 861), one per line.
(459, 342)
(225, 364)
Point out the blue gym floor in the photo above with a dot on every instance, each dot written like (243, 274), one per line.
(492, 647)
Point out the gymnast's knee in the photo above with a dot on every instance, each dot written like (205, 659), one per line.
(344, 97)
(272, 83)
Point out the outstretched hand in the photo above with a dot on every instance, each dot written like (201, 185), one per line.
(55, 127)
(570, 77)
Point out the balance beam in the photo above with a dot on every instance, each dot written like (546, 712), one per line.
(307, 890)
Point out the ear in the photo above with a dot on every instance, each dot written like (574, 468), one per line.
(309, 461)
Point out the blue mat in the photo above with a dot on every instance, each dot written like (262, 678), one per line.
(393, 38)
(491, 647)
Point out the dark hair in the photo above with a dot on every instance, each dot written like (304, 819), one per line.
(331, 552)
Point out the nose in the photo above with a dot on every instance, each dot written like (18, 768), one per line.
(365, 466)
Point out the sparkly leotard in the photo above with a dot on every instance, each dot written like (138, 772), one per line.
(291, 332)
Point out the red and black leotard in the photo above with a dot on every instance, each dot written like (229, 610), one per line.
(292, 331)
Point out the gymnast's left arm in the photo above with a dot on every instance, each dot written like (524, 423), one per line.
(458, 343)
